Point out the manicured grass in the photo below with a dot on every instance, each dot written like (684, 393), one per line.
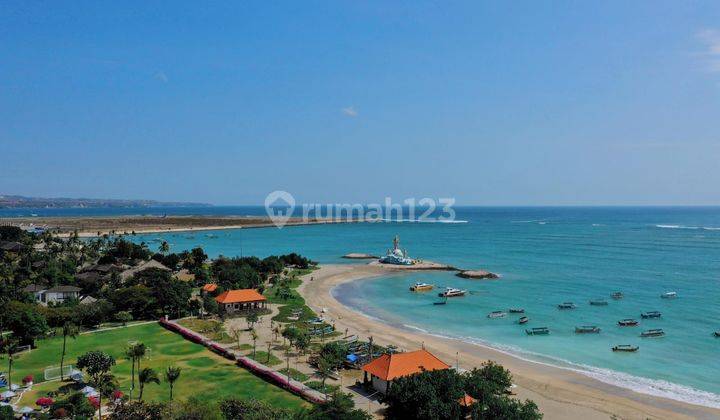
(262, 357)
(317, 385)
(210, 328)
(204, 374)
(295, 374)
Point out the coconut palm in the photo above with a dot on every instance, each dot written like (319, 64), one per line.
(171, 375)
(135, 352)
(11, 347)
(146, 376)
(254, 336)
(164, 247)
(69, 329)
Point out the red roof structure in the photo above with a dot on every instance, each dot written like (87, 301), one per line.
(390, 366)
(209, 287)
(240, 296)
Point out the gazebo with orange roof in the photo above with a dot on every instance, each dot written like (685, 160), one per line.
(241, 300)
(209, 287)
(389, 367)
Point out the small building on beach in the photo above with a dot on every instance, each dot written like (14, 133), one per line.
(242, 300)
(388, 367)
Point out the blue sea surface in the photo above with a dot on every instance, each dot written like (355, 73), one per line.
(545, 256)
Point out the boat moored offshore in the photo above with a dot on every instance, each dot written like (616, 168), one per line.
(452, 292)
(538, 331)
(523, 320)
(616, 295)
(516, 310)
(585, 329)
(629, 322)
(421, 287)
(599, 302)
(625, 347)
(669, 295)
(497, 314)
(567, 305)
(653, 333)
(651, 314)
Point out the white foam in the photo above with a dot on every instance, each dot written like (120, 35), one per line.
(687, 227)
(422, 221)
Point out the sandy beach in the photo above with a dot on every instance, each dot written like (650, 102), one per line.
(94, 226)
(560, 393)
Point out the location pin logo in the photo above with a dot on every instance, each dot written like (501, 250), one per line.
(279, 205)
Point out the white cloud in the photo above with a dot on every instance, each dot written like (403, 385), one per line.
(161, 76)
(711, 40)
(350, 111)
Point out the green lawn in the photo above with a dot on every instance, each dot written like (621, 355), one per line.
(204, 374)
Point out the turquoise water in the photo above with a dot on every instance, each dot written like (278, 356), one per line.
(546, 256)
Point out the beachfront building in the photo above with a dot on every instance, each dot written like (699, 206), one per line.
(396, 255)
(242, 300)
(388, 367)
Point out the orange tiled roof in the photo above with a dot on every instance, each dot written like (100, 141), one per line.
(209, 287)
(467, 401)
(240, 296)
(390, 366)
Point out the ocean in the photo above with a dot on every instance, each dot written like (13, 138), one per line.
(545, 256)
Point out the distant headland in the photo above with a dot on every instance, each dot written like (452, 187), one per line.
(19, 201)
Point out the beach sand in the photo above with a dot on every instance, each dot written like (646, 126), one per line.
(559, 393)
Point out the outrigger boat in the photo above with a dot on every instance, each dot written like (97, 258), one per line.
(669, 295)
(567, 305)
(628, 322)
(516, 310)
(421, 287)
(653, 333)
(538, 331)
(452, 292)
(717, 333)
(497, 314)
(587, 329)
(524, 320)
(625, 347)
(651, 314)
(617, 295)
(599, 302)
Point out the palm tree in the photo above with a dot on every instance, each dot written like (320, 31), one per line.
(171, 375)
(325, 368)
(105, 384)
(164, 247)
(11, 347)
(135, 352)
(254, 336)
(69, 329)
(146, 376)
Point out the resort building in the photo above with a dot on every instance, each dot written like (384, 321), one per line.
(57, 294)
(389, 367)
(141, 267)
(243, 300)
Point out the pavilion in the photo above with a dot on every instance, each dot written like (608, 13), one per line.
(242, 300)
(389, 367)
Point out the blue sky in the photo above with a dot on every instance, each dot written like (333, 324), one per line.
(516, 103)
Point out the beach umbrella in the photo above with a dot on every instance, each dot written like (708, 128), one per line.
(7, 394)
(44, 401)
(93, 394)
(26, 410)
(88, 389)
(94, 401)
(117, 394)
(14, 387)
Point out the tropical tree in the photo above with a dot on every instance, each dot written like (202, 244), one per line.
(339, 406)
(96, 363)
(164, 247)
(135, 352)
(146, 376)
(10, 347)
(105, 385)
(124, 317)
(251, 319)
(69, 329)
(325, 369)
(235, 332)
(254, 336)
(172, 373)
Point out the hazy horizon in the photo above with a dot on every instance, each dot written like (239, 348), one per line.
(493, 103)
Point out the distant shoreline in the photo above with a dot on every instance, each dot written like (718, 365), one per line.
(93, 226)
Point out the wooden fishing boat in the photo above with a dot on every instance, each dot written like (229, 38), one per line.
(653, 333)
(421, 287)
(651, 314)
(599, 302)
(516, 310)
(523, 320)
(717, 333)
(585, 329)
(628, 322)
(567, 305)
(625, 347)
(617, 295)
(497, 314)
(669, 295)
(538, 331)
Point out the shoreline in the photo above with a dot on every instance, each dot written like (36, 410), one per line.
(561, 393)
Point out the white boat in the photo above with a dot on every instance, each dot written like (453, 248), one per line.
(452, 292)
(567, 305)
(497, 314)
(669, 295)
(421, 287)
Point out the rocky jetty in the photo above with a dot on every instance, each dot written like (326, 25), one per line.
(358, 256)
(477, 274)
